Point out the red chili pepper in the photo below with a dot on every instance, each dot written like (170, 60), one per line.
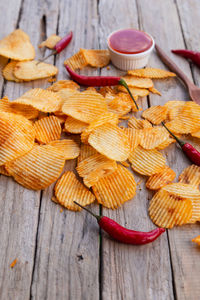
(99, 81)
(192, 55)
(192, 153)
(124, 235)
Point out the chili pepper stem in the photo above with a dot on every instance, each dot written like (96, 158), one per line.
(43, 59)
(180, 142)
(123, 83)
(89, 211)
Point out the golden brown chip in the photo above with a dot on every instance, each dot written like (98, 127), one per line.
(183, 190)
(3, 62)
(61, 118)
(86, 151)
(112, 90)
(69, 148)
(196, 240)
(158, 180)
(190, 175)
(120, 103)
(196, 134)
(165, 144)
(155, 114)
(47, 129)
(134, 136)
(85, 106)
(17, 46)
(173, 108)
(154, 91)
(135, 91)
(147, 162)
(95, 167)
(151, 138)
(110, 141)
(3, 171)
(74, 126)
(38, 168)
(151, 73)
(50, 42)
(8, 71)
(17, 136)
(133, 81)
(167, 210)
(68, 189)
(77, 61)
(96, 58)
(32, 70)
(114, 189)
(63, 84)
(138, 124)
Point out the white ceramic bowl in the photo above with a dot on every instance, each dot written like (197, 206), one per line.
(129, 61)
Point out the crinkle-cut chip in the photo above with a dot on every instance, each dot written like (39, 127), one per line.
(47, 129)
(63, 84)
(64, 95)
(133, 81)
(151, 138)
(190, 175)
(85, 106)
(111, 141)
(43, 100)
(38, 168)
(77, 61)
(158, 180)
(183, 190)
(17, 136)
(138, 124)
(86, 151)
(17, 46)
(8, 71)
(32, 70)
(107, 117)
(151, 73)
(61, 118)
(68, 189)
(50, 42)
(165, 144)
(69, 148)
(173, 108)
(196, 240)
(196, 134)
(147, 162)
(155, 114)
(3, 171)
(125, 164)
(134, 136)
(104, 90)
(96, 58)
(95, 167)
(74, 126)
(121, 104)
(167, 210)
(135, 91)
(154, 91)
(116, 188)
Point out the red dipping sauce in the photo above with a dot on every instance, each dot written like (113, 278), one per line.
(130, 41)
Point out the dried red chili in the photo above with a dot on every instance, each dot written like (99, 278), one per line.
(192, 153)
(124, 235)
(192, 55)
(99, 81)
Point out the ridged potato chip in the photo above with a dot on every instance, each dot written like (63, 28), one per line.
(165, 144)
(120, 104)
(47, 129)
(154, 91)
(32, 70)
(196, 240)
(158, 180)
(167, 210)
(38, 168)
(196, 134)
(17, 46)
(134, 136)
(85, 152)
(61, 117)
(151, 73)
(68, 189)
(85, 106)
(138, 124)
(183, 190)
(77, 61)
(63, 84)
(135, 91)
(50, 42)
(147, 162)
(17, 136)
(74, 126)
(105, 90)
(111, 141)
(3, 171)
(173, 108)
(190, 175)
(8, 71)
(69, 148)
(133, 81)
(96, 58)
(95, 167)
(151, 138)
(155, 114)
(116, 188)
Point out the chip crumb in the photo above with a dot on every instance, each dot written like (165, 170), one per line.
(13, 263)
(108, 68)
(139, 182)
(61, 210)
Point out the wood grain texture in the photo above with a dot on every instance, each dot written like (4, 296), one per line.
(130, 272)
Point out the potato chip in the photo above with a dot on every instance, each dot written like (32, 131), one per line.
(196, 134)
(155, 114)
(190, 175)
(110, 141)
(165, 144)
(91, 88)
(138, 82)
(63, 84)
(47, 129)
(104, 90)
(95, 167)
(196, 240)
(154, 91)
(151, 138)
(183, 190)
(167, 210)
(135, 91)
(96, 58)
(8, 71)
(138, 124)
(158, 180)
(120, 104)
(38, 168)
(3, 62)
(68, 189)
(69, 148)
(151, 73)
(125, 164)
(61, 118)
(32, 70)
(77, 61)
(86, 151)
(17, 46)
(3, 171)
(17, 136)
(146, 162)
(173, 108)
(134, 136)
(85, 106)
(50, 42)
(116, 188)
(74, 126)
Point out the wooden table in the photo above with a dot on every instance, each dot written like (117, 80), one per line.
(62, 255)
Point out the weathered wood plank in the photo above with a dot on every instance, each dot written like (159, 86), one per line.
(184, 254)
(132, 272)
(67, 258)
